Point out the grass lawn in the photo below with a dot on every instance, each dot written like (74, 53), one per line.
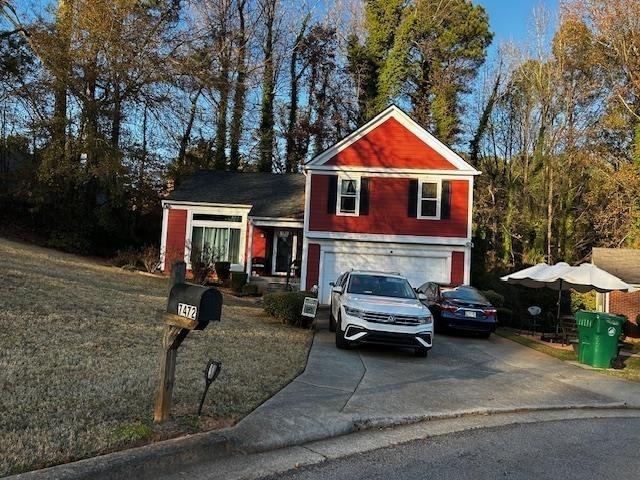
(631, 370)
(79, 352)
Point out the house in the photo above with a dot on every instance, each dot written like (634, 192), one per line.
(624, 263)
(389, 196)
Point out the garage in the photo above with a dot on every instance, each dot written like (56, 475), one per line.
(418, 263)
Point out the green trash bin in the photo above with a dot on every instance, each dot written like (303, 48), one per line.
(598, 335)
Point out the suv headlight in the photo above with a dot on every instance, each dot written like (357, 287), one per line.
(426, 320)
(353, 312)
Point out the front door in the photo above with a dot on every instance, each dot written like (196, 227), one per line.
(284, 244)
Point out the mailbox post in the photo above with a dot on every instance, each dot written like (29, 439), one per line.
(189, 307)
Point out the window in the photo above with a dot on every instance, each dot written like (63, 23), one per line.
(429, 199)
(219, 244)
(381, 286)
(348, 196)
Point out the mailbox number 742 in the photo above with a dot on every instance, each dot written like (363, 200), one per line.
(186, 310)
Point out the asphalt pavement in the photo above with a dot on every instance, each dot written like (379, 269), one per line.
(570, 449)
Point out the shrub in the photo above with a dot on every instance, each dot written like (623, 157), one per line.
(250, 289)
(505, 316)
(150, 258)
(238, 280)
(494, 297)
(583, 301)
(127, 258)
(287, 307)
(223, 270)
(202, 265)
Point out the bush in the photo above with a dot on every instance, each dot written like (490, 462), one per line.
(127, 258)
(202, 265)
(287, 307)
(505, 317)
(250, 289)
(223, 270)
(150, 258)
(583, 301)
(238, 280)
(494, 297)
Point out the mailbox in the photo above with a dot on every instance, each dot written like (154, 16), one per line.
(195, 302)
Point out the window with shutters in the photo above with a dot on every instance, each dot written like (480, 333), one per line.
(348, 201)
(429, 198)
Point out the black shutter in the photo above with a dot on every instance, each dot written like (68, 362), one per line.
(332, 195)
(364, 196)
(445, 203)
(412, 207)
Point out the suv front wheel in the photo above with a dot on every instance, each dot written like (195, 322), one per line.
(341, 342)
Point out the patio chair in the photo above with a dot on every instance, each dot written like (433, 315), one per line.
(568, 329)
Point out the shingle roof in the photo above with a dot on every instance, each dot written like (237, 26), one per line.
(624, 263)
(271, 194)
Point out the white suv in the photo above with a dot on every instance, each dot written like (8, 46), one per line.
(379, 308)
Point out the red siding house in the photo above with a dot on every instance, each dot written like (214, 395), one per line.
(388, 197)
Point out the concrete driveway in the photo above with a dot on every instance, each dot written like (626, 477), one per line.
(342, 391)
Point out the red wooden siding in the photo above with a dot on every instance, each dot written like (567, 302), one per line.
(627, 304)
(391, 145)
(313, 265)
(388, 200)
(457, 268)
(259, 243)
(176, 234)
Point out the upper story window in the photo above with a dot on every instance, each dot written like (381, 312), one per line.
(348, 196)
(429, 197)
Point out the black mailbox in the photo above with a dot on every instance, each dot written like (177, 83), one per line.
(202, 304)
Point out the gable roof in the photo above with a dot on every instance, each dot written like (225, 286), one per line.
(269, 194)
(377, 148)
(624, 263)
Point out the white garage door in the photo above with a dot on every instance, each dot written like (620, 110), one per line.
(418, 266)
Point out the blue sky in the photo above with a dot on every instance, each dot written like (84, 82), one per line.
(511, 20)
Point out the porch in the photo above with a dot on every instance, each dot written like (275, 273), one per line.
(274, 251)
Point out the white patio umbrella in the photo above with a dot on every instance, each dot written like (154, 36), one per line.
(562, 276)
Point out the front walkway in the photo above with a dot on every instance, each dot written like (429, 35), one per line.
(342, 391)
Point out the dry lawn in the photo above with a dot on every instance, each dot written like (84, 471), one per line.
(78, 360)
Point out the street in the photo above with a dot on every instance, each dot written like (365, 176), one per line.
(570, 449)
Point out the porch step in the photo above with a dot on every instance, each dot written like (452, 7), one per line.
(275, 284)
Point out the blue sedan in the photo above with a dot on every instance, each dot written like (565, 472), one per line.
(461, 308)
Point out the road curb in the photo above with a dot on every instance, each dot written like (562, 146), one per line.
(149, 461)
(152, 461)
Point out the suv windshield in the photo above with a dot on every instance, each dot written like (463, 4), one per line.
(380, 285)
(468, 294)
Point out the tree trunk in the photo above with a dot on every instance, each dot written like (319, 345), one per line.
(239, 94)
(63, 31)
(265, 163)
(292, 157)
(186, 136)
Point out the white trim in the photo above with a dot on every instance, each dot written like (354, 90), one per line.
(382, 248)
(303, 266)
(341, 178)
(470, 210)
(438, 199)
(393, 112)
(606, 302)
(249, 247)
(467, 266)
(163, 238)
(387, 171)
(287, 223)
(374, 237)
(221, 210)
(168, 203)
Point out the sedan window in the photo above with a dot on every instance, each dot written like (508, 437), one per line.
(381, 286)
(469, 294)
